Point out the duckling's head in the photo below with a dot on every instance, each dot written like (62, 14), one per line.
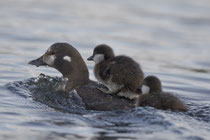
(151, 84)
(65, 58)
(101, 52)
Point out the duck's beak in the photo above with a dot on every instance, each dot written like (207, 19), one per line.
(38, 62)
(90, 58)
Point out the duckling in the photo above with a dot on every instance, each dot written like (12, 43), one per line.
(120, 74)
(154, 96)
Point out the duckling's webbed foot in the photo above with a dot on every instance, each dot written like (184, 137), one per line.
(111, 92)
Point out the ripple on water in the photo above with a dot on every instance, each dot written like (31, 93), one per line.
(170, 38)
(141, 121)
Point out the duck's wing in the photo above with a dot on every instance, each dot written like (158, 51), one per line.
(105, 70)
(124, 70)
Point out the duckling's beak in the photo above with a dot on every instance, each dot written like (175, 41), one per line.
(38, 62)
(90, 58)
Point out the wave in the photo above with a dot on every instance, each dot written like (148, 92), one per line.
(140, 120)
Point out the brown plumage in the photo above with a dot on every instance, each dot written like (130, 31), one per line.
(75, 70)
(120, 72)
(157, 98)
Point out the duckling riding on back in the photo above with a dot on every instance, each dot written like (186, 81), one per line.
(120, 74)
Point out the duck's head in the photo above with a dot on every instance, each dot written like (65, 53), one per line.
(101, 53)
(66, 59)
(151, 84)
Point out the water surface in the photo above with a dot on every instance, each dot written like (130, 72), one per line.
(170, 39)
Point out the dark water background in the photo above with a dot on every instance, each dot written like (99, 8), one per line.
(169, 38)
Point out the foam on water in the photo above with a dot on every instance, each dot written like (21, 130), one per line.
(170, 39)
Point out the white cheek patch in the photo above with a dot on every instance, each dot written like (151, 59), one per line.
(49, 59)
(145, 89)
(67, 58)
(98, 58)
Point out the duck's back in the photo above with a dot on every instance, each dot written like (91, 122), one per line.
(96, 100)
